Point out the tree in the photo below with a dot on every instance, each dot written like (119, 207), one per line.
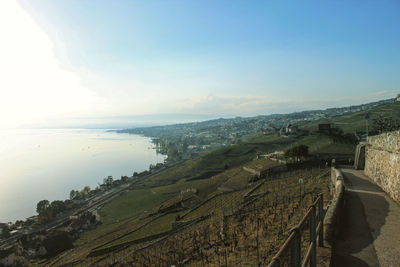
(382, 125)
(5, 231)
(83, 193)
(172, 153)
(57, 206)
(68, 203)
(42, 206)
(151, 167)
(73, 194)
(108, 181)
(86, 190)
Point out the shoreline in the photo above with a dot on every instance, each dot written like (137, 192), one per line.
(80, 171)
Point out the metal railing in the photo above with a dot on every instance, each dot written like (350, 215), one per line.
(292, 247)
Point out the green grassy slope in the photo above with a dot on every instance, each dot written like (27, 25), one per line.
(205, 173)
(211, 163)
(356, 121)
(325, 144)
(123, 207)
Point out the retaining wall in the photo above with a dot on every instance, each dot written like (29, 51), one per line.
(382, 162)
(333, 214)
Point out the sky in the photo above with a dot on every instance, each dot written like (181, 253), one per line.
(70, 62)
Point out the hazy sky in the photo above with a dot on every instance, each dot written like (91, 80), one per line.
(62, 60)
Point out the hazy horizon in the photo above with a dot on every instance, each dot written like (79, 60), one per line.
(138, 121)
(65, 62)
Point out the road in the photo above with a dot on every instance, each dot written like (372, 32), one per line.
(369, 232)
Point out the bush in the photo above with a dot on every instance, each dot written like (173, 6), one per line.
(299, 151)
(383, 125)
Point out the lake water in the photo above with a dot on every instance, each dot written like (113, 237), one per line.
(49, 163)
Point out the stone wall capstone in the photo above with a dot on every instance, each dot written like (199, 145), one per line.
(382, 162)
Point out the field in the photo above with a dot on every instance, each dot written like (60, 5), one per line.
(276, 204)
(157, 226)
(238, 178)
(233, 230)
(325, 144)
(217, 205)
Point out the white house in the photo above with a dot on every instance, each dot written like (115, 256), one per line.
(291, 129)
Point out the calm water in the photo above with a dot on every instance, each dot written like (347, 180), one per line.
(47, 164)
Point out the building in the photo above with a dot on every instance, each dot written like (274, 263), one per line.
(325, 127)
(398, 98)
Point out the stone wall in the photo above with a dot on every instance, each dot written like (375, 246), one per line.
(359, 159)
(382, 162)
(333, 215)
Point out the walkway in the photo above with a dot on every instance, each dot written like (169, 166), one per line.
(370, 228)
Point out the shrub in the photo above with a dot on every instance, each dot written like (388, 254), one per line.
(299, 151)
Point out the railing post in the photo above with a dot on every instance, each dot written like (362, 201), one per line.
(321, 220)
(313, 258)
(295, 249)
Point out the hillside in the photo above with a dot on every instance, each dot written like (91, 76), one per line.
(162, 219)
(252, 124)
(153, 241)
(355, 122)
(184, 141)
(138, 206)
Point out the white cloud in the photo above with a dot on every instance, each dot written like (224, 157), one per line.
(33, 86)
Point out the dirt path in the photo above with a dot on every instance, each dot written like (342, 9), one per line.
(370, 228)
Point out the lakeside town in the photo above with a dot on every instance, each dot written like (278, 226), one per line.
(59, 223)
(183, 141)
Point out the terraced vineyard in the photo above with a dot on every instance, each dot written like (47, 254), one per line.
(217, 205)
(241, 228)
